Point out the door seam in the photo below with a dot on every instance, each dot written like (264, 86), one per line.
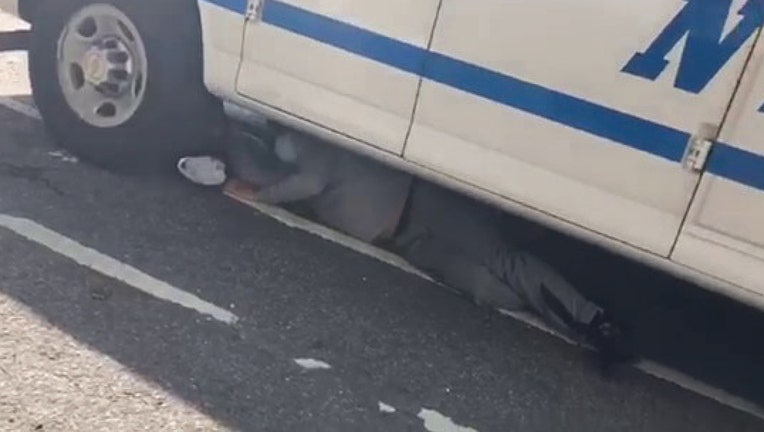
(723, 121)
(421, 79)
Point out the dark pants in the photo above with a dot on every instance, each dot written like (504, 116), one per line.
(457, 241)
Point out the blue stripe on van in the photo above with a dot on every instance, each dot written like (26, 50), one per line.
(737, 165)
(577, 113)
(347, 37)
(239, 6)
(641, 134)
(570, 111)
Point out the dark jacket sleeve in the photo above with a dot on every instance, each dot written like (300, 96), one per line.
(254, 165)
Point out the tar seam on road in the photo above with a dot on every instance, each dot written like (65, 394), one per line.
(112, 268)
(294, 221)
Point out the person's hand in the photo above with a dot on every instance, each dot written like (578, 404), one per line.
(241, 191)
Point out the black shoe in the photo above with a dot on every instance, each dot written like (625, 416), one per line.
(611, 341)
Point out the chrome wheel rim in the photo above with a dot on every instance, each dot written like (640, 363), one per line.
(102, 66)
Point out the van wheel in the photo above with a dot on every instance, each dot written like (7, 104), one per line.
(119, 83)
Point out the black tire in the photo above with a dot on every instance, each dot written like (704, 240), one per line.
(177, 117)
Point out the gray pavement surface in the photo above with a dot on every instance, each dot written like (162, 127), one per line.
(81, 351)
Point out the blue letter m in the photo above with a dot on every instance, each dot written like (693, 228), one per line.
(705, 51)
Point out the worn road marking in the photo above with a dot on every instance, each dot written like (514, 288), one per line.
(63, 156)
(294, 221)
(112, 268)
(385, 408)
(437, 422)
(312, 364)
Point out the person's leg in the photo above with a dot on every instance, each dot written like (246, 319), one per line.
(455, 220)
(545, 290)
(461, 246)
(469, 231)
(550, 295)
(448, 237)
(461, 273)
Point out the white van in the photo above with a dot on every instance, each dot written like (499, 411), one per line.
(638, 125)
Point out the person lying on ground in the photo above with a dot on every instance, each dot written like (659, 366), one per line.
(459, 243)
(450, 237)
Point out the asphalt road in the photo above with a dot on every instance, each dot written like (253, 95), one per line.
(80, 350)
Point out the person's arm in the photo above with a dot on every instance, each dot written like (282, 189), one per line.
(256, 166)
(296, 187)
(260, 174)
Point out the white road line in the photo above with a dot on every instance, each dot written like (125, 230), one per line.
(20, 107)
(385, 408)
(294, 221)
(110, 267)
(437, 422)
(63, 156)
(9, 20)
(312, 364)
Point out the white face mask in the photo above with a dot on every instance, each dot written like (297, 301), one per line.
(286, 149)
(203, 170)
